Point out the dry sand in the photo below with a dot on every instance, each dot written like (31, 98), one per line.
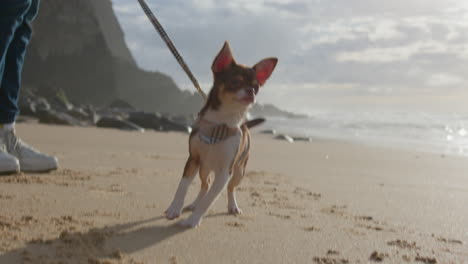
(319, 202)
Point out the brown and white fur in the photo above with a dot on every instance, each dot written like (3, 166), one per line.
(234, 90)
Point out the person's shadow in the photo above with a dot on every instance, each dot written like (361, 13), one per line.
(95, 244)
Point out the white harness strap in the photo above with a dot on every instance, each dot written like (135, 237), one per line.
(211, 133)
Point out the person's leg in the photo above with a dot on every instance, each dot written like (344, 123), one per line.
(14, 35)
(12, 13)
(29, 158)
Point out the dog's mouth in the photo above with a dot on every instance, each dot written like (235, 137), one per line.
(248, 99)
(247, 96)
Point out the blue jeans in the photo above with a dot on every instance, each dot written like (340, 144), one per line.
(15, 32)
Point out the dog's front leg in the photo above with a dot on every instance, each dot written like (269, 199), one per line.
(220, 181)
(205, 184)
(190, 170)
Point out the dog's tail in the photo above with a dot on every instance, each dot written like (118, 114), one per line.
(254, 122)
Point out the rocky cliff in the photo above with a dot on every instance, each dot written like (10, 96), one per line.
(78, 47)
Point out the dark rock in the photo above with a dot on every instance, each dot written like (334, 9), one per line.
(27, 107)
(79, 113)
(169, 125)
(58, 118)
(92, 114)
(42, 104)
(121, 104)
(285, 138)
(115, 112)
(115, 122)
(147, 120)
(61, 104)
(181, 119)
(157, 122)
(24, 119)
(29, 103)
(269, 131)
(306, 139)
(56, 97)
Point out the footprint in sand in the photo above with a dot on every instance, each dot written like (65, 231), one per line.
(376, 225)
(255, 194)
(68, 220)
(364, 217)
(259, 177)
(123, 171)
(403, 244)
(6, 197)
(356, 232)
(450, 241)
(329, 260)
(64, 177)
(332, 252)
(101, 213)
(370, 227)
(312, 229)
(427, 260)
(335, 210)
(271, 183)
(235, 224)
(281, 216)
(23, 179)
(377, 256)
(173, 260)
(113, 188)
(305, 193)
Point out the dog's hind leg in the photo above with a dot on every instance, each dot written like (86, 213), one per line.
(190, 170)
(205, 184)
(220, 181)
(236, 179)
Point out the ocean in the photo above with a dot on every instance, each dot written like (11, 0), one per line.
(444, 133)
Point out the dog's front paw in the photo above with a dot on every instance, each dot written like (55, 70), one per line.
(234, 210)
(190, 222)
(173, 212)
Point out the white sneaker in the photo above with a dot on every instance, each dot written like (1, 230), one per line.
(8, 163)
(30, 159)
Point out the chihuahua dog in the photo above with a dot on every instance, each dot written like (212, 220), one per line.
(220, 140)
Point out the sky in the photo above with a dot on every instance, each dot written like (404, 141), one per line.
(333, 54)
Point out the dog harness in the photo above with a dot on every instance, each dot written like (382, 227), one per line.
(212, 133)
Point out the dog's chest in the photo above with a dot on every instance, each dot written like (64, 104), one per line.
(215, 133)
(219, 145)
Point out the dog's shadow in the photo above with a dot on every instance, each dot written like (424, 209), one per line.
(95, 244)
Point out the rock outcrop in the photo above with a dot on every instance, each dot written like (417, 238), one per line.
(78, 47)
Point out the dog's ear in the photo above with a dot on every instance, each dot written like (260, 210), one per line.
(223, 60)
(264, 68)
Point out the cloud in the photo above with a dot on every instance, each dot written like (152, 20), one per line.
(444, 80)
(326, 49)
(392, 54)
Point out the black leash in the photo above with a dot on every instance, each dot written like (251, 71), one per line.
(170, 45)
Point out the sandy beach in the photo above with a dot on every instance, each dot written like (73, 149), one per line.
(317, 202)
